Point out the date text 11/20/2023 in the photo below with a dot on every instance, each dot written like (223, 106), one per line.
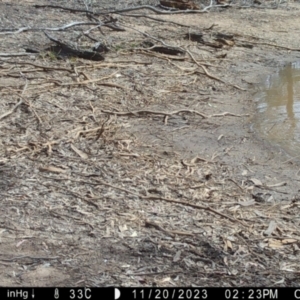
(208, 293)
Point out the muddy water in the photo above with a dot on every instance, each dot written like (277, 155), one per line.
(278, 109)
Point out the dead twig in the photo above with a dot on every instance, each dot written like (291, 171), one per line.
(14, 54)
(17, 105)
(37, 66)
(159, 55)
(272, 45)
(32, 108)
(236, 184)
(29, 257)
(210, 75)
(169, 232)
(12, 110)
(118, 11)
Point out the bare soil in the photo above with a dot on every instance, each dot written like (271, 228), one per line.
(143, 169)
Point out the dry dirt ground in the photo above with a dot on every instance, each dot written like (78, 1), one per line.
(143, 169)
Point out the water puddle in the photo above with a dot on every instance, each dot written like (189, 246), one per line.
(278, 109)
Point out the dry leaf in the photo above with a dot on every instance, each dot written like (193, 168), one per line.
(122, 228)
(247, 203)
(52, 169)
(134, 234)
(287, 268)
(256, 182)
(225, 246)
(258, 213)
(279, 282)
(286, 206)
(177, 256)
(275, 244)
(234, 208)
(277, 184)
(79, 152)
(289, 241)
(20, 243)
(271, 228)
(225, 261)
(167, 279)
(262, 245)
(231, 238)
(229, 244)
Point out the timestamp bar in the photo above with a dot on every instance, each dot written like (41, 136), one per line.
(138, 293)
(213, 293)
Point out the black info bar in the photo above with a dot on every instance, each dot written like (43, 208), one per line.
(115, 293)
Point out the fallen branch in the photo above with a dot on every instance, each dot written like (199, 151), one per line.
(191, 56)
(64, 27)
(140, 112)
(153, 198)
(175, 201)
(154, 19)
(207, 208)
(92, 55)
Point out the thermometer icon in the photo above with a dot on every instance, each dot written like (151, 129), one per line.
(56, 294)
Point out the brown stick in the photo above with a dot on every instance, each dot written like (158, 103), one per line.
(18, 104)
